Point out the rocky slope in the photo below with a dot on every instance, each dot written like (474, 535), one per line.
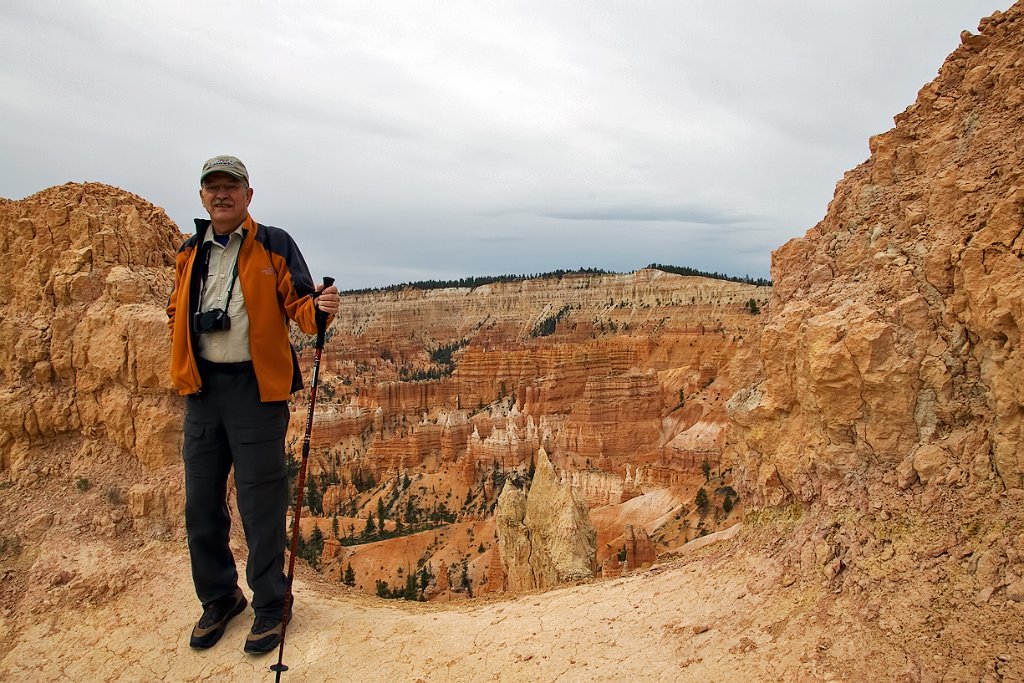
(888, 415)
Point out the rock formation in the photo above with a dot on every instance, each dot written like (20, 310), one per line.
(514, 543)
(886, 426)
(893, 330)
(621, 379)
(595, 369)
(545, 537)
(83, 343)
(496, 581)
(639, 549)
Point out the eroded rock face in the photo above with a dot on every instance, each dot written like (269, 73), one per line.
(83, 337)
(545, 538)
(602, 371)
(880, 451)
(894, 330)
(514, 538)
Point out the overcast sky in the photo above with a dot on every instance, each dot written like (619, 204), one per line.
(401, 141)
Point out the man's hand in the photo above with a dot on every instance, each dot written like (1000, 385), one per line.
(328, 300)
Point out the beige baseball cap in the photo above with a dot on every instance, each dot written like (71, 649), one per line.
(225, 164)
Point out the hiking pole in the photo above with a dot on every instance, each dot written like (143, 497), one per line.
(286, 612)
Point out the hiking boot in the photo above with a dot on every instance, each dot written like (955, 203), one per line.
(215, 619)
(265, 635)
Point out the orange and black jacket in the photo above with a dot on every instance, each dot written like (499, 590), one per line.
(277, 287)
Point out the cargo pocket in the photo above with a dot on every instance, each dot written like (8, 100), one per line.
(204, 452)
(193, 440)
(259, 456)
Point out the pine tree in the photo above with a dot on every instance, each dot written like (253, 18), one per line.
(410, 587)
(350, 575)
(371, 528)
(314, 548)
(702, 501)
(313, 502)
(424, 579)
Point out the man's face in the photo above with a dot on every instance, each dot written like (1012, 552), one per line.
(226, 199)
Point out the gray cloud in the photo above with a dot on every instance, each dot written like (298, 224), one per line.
(402, 140)
(682, 214)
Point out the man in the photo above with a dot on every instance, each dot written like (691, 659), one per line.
(237, 284)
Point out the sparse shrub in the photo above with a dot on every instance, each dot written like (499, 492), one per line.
(115, 496)
(546, 327)
(83, 484)
(9, 546)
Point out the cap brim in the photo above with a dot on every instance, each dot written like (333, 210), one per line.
(223, 170)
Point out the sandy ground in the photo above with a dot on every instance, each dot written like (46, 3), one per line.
(711, 615)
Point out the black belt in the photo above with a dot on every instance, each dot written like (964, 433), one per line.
(227, 368)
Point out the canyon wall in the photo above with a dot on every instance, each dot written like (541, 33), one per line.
(621, 380)
(603, 371)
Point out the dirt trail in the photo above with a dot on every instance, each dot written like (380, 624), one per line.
(713, 615)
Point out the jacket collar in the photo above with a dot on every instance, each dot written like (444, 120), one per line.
(248, 228)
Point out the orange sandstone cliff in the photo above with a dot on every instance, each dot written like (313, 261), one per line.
(887, 420)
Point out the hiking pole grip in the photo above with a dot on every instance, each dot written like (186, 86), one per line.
(321, 318)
